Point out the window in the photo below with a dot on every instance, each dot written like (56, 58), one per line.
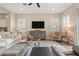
(66, 21)
(54, 24)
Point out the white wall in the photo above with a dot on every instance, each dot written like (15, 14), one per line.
(72, 10)
(12, 23)
(3, 11)
(39, 17)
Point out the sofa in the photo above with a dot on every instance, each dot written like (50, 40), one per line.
(19, 49)
(57, 52)
(7, 39)
(74, 52)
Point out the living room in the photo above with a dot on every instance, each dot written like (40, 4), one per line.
(56, 25)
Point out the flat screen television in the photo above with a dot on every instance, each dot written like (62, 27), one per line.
(38, 24)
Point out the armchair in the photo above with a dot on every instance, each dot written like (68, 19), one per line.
(55, 36)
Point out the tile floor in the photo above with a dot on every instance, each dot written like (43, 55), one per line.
(63, 46)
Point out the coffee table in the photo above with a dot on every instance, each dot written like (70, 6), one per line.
(41, 51)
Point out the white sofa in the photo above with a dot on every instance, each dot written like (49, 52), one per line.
(7, 39)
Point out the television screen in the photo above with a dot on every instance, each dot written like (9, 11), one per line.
(37, 24)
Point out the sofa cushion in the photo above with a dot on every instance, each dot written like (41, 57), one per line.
(76, 49)
(16, 50)
(69, 53)
(57, 51)
(2, 49)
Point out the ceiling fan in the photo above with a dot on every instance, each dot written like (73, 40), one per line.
(29, 4)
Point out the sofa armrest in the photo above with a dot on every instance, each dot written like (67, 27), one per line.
(69, 53)
(57, 52)
(76, 49)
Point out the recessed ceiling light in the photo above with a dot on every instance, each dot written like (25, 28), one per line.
(53, 9)
(21, 8)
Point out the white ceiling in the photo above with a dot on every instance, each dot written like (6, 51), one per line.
(45, 7)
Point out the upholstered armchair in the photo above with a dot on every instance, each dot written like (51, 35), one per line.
(55, 35)
(64, 37)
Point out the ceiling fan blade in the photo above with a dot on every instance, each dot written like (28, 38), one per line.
(38, 4)
(25, 4)
(30, 3)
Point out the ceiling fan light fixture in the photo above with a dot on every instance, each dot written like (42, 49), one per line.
(25, 4)
(29, 4)
(38, 5)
